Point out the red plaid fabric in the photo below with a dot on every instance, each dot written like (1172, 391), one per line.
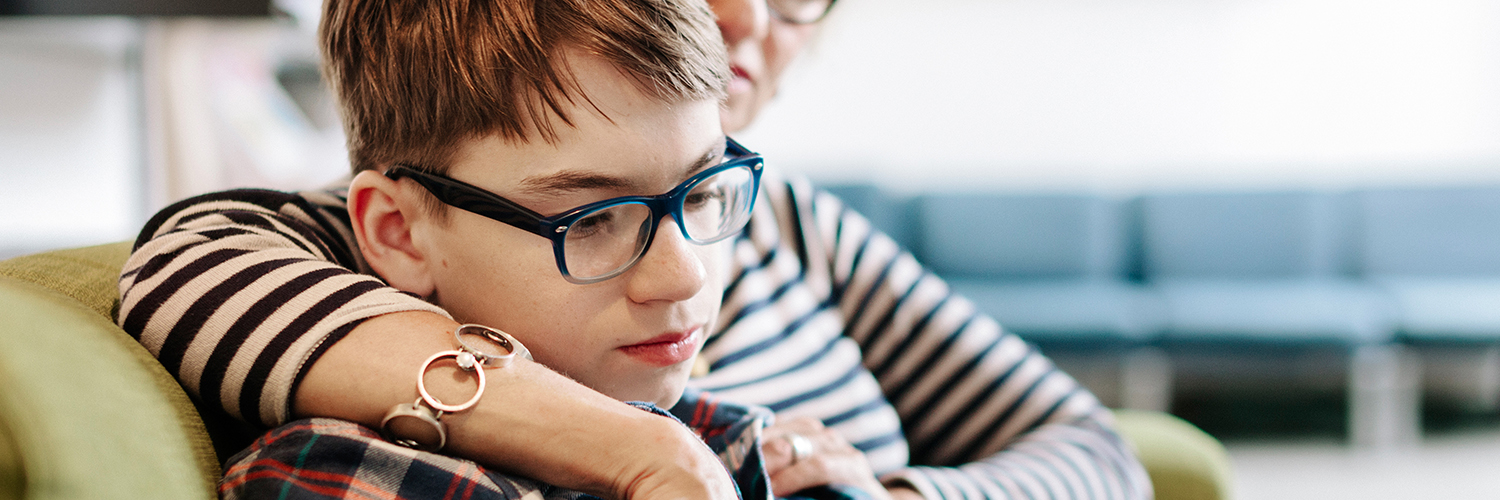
(327, 458)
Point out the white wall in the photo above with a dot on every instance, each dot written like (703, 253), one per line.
(1117, 96)
(69, 143)
(73, 122)
(1134, 95)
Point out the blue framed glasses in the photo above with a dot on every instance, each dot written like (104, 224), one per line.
(601, 240)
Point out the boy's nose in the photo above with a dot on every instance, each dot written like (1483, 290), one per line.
(671, 270)
(741, 19)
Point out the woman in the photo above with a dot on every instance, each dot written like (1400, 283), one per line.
(871, 365)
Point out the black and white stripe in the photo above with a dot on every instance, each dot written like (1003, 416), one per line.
(237, 292)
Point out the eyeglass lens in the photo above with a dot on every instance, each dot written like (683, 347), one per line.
(800, 11)
(612, 238)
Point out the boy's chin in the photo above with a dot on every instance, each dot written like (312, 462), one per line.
(671, 392)
(662, 399)
(664, 393)
(668, 403)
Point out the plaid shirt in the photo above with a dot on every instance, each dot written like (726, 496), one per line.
(326, 458)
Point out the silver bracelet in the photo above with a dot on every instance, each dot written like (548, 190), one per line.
(428, 410)
(497, 337)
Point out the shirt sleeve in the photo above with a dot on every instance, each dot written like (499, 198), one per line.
(985, 414)
(238, 293)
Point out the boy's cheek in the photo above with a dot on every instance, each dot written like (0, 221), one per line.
(717, 262)
(718, 270)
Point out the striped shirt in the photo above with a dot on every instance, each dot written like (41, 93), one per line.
(238, 293)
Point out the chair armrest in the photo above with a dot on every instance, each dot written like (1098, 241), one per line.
(86, 412)
(1183, 461)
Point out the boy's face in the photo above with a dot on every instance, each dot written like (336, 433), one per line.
(632, 337)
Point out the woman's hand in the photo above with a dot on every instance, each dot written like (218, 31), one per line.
(824, 458)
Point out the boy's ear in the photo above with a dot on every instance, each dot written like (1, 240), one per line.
(383, 216)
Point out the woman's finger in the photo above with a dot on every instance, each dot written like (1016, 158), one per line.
(777, 450)
(843, 467)
(801, 453)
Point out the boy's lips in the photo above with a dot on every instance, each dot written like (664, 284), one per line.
(666, 349)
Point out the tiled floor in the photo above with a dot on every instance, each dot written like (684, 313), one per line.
(1456, 465)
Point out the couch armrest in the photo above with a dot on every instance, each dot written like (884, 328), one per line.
(1184, 462)
(86, 412)
(89, 275)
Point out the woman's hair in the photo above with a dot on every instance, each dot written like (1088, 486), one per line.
(414, 78)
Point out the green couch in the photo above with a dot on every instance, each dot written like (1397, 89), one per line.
(87, 413)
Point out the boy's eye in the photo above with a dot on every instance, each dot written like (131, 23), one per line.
(598, 221)
(703, 195)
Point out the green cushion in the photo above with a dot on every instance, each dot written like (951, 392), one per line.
(1183, 461)
(12, 475)
(86, 411)
(90, 275)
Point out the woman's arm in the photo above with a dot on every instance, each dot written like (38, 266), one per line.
(531, 420)
(253, 301)
(977, 402)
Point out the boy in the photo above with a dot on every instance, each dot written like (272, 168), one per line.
(249, 296)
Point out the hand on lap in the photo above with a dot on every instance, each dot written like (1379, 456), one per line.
(800, 453)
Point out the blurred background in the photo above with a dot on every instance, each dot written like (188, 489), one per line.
(1136, 95)
(1277, 219)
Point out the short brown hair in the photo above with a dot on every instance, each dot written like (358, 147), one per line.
(414, 78)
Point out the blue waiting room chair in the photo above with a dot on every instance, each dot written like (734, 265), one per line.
(1436, 251)
(1052, 268)
(1252, 279)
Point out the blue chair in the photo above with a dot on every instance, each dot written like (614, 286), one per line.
(1259, 267)
(1265, 274)
(1053, 268)
(1436, 251)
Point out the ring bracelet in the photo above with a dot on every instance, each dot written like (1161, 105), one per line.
(428, 410)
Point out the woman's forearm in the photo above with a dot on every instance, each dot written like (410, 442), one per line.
(531, 421)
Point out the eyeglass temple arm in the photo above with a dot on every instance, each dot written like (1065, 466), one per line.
(734, 147)
(471, 198)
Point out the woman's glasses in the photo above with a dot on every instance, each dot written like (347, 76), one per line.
(600, 240)
(800, 11)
